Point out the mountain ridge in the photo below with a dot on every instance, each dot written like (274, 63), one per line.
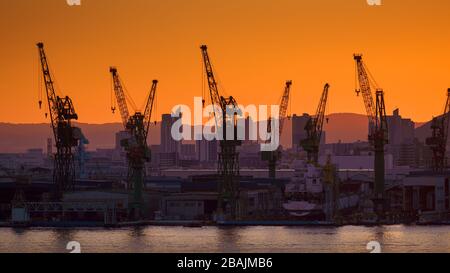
(18, 137)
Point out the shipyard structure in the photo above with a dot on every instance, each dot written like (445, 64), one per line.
(398, 174)
(181, 184)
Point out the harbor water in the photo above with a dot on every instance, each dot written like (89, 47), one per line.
(228, 239)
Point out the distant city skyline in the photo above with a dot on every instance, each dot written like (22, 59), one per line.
(20, 137)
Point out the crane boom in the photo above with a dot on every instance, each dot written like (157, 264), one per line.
(365, 89)
(149, 108)
(375, 111)
(120, 96)
(216, 99)
(52, 99)
(284, 105)
(320, 113)
(60, 109)
(282, 113)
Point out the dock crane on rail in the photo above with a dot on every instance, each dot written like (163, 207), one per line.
(228, 163)
(378, 128)
(62, 113)
(314, 129)
(273, 156)
(438, 140)
(135, 145)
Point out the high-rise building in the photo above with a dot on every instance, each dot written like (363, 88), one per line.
(401, 139)
(122, 135)
(401, 130)
(187, 151)
(298, 129)
(168, 144)
(206, 150)
(168, 160)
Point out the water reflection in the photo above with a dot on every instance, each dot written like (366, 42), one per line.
(137, 232)
(63, 234)
(19, 231)
(229, 239)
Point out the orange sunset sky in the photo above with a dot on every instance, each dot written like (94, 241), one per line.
(255, 45)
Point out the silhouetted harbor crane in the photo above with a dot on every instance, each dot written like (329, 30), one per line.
(228, 163)
(62, 113)
(314, 129)
(273, 156)
(378, 129)
(135, 145)
(438, 140)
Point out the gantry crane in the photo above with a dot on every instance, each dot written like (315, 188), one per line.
(314, 129)
(228, 163)
(273, 156)
(438, 140)
(62, 113)
(378, 128)
(135, 146)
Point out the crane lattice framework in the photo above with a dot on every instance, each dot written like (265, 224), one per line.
(228, 163)
(61, 112)
(378, 128)
(314, 129)
(135, 145)
(438, 140)
(273, 156)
